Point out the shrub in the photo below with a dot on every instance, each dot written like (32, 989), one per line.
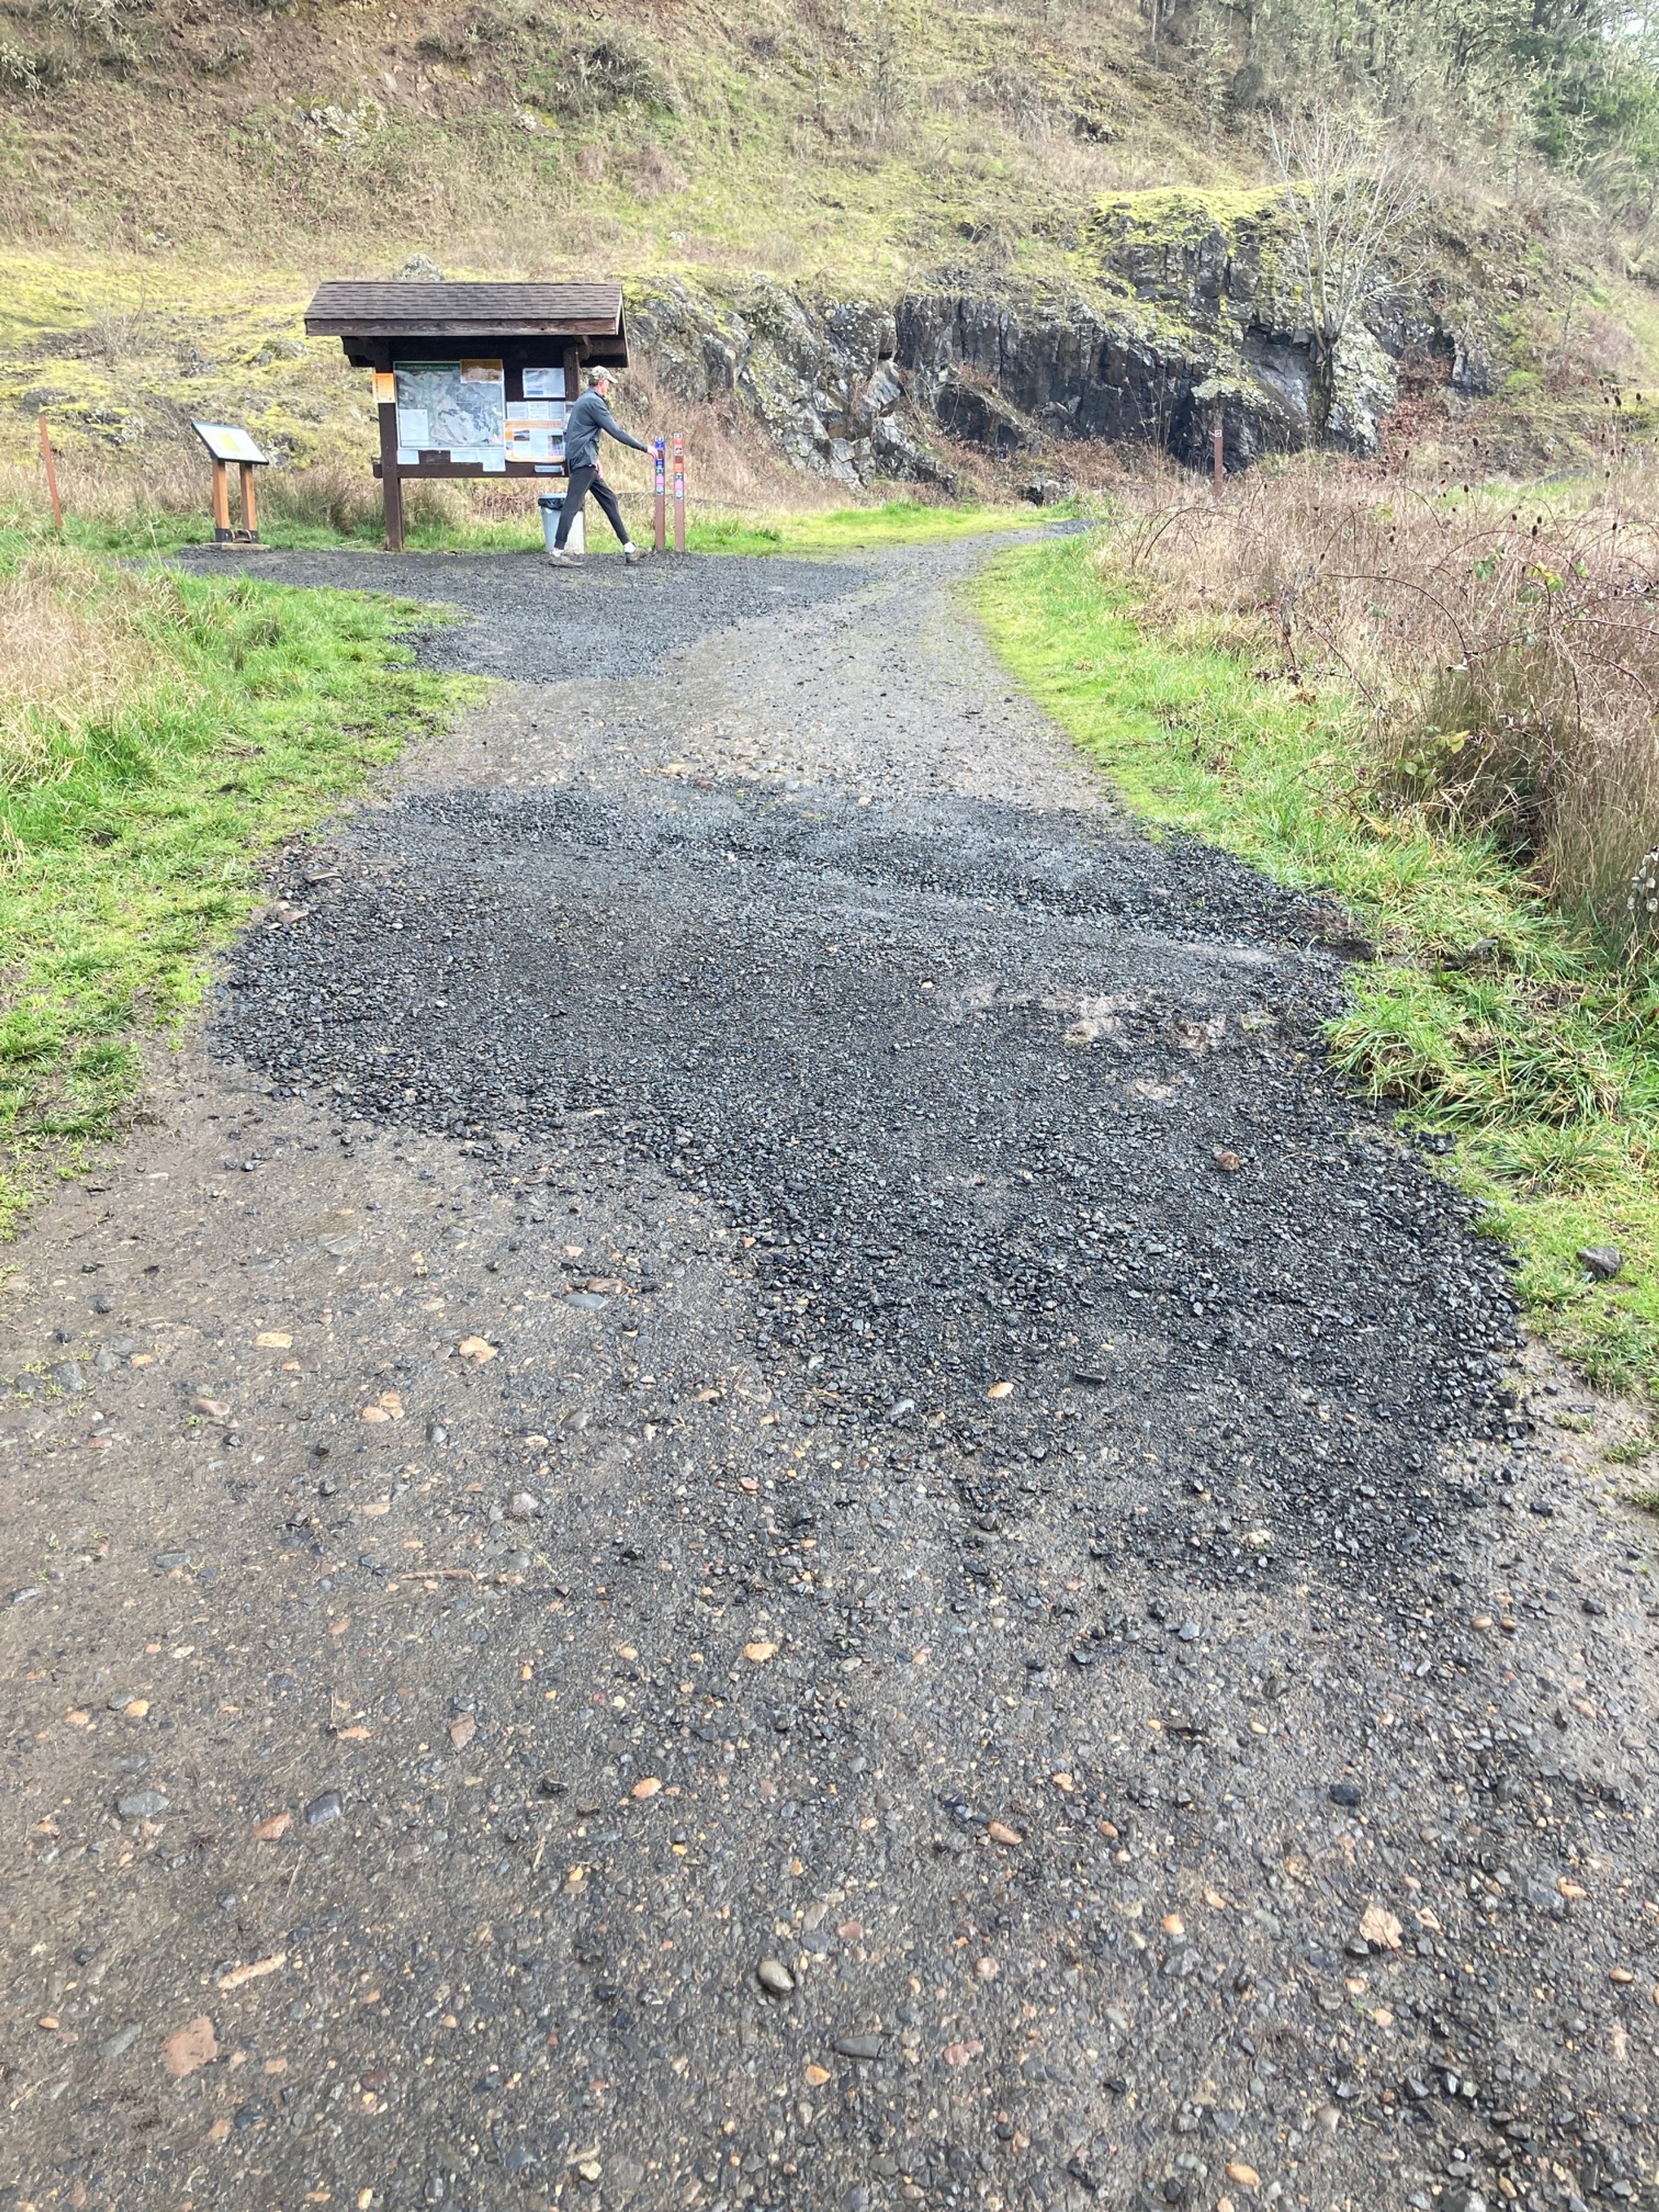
(323, 499)
(20, 73)
(606, 74)
(1508, 657)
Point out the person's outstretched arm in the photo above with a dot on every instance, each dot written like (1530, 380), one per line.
(612, 428)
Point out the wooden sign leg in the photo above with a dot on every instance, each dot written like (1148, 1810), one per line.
(221, 501)
(250, 501)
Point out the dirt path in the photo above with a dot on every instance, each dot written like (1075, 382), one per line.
(753, 1497)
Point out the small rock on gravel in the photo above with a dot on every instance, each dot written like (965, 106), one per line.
(859, 2046)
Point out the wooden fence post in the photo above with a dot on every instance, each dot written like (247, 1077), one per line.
(51, 472)
(1220, 465)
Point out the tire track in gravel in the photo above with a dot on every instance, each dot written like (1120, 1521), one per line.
(1216, 1766)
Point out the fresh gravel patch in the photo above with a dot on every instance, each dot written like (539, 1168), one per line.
(1002, 1098)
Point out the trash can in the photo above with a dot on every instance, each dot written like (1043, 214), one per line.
(552, 506)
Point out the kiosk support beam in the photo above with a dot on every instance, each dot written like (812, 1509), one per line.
(392, 485)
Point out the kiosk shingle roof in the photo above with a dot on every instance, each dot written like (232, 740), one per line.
(348, 310)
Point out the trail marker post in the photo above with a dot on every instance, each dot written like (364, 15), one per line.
(47, 457)
(659, 470)
(679, 492)
(1220, 465)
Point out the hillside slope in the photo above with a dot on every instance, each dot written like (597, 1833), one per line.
(1022, 179)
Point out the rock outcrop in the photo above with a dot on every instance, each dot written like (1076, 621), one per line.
(818, 374)
(1181, 314)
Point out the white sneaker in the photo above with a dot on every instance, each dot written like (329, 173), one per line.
(632, 555)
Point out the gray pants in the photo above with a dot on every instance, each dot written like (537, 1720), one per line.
(581, 482)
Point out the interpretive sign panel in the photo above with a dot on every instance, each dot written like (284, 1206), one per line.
(226, 442)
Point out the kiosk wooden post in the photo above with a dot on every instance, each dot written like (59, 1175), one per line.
(392, 482)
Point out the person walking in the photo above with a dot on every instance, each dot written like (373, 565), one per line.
(589, 417)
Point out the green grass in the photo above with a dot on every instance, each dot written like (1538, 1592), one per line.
(160, 531)
(134, 849)
(1491, 1019)
(842, 530)
(859, 529)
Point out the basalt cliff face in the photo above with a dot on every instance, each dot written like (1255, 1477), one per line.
(1181, 315)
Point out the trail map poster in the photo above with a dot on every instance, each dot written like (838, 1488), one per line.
(454, 407)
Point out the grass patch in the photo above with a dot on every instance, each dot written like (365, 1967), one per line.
(1496, 1022)
(858, 529)
(134, 820)
(335, 510)
(443, 525)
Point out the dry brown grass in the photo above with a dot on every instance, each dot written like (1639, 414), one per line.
(1505, 644)
(77, 646)
(110, 486)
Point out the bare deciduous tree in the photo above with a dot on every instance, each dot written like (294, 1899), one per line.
(1349, 200)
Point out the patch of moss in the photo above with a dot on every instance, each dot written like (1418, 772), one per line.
(1181, 214)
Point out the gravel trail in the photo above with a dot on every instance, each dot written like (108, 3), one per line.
(755, 1496)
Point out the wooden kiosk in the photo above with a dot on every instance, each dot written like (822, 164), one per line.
(471, 379)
